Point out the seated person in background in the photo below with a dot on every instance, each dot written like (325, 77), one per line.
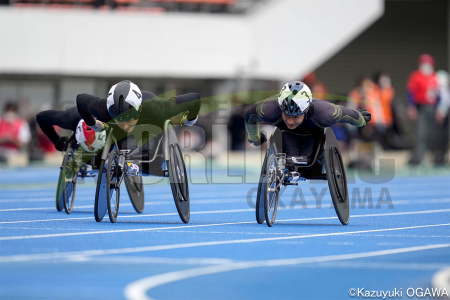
(14, 132)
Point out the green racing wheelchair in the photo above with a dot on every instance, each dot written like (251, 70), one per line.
(113, 171)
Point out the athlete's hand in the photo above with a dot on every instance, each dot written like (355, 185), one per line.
(262, 140)
(99, 126)
(61, 143)
(366, 115)
(185, 122)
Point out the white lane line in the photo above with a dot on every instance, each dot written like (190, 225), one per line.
(380, 265)
(23, 237)
(150, 260)
(240, 200)
(138, 290)
(379, 215)
(407, 235)
(137, 215)
(66, 255)
(235, 195)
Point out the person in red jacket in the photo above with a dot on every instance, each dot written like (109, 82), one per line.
(422, 96)
(14, 132)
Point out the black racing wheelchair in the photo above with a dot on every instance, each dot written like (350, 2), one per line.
(73, 169)
(113, 171)
(278, 170)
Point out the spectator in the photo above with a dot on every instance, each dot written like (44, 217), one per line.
(367, 96)
(318, 89)
(442, 117)
(386, 91)
(422, 97)
(14, 132)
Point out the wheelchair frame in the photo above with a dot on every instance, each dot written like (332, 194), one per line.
(172, 167)
(326, 157)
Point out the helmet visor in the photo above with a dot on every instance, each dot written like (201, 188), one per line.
(127, 115)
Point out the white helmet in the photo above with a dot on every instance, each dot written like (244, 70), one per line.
(124, 101)
(294, 98)
(88, 139)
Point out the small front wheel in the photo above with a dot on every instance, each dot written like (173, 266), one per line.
(112, 186)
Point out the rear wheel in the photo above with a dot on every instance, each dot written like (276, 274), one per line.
(112, 184)
(179, 182)
(271, 190)
(337, 180)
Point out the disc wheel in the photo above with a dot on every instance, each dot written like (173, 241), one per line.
(271, 190)
(70, 181)
(179, 182)
(337, 180)
(113, 188)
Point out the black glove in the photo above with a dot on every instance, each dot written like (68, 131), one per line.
(262, 140)
(61, 143)
(366, 115)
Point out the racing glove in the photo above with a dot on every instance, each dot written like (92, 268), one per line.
(99, 126)
(366, 115)
(185, 122)
(61, 143)
(262, 140)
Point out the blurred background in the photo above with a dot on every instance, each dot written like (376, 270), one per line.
(361, 54)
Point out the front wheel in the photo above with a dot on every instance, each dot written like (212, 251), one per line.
(61, 181)
(113, 186)
(271, 190)
(179, 182)
(100, 206)
(70, 172)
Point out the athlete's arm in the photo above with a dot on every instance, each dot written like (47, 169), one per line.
(327, 114)
(167, 108)
(263, 111)
(91, 108)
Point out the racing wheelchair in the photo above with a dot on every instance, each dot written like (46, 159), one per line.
(73, 169)
(278, 170)
(113, 171)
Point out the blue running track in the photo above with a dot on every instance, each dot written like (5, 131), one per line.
(394, 242)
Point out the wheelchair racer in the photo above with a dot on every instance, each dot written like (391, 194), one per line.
(127, 106)
(300, 117)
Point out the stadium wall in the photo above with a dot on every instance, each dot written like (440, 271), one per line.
(279, 40)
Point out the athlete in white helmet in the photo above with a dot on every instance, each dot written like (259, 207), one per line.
(127, 106)
(300, 118)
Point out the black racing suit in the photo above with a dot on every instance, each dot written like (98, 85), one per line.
(67, 119)
(155, 111)
(301, 141)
